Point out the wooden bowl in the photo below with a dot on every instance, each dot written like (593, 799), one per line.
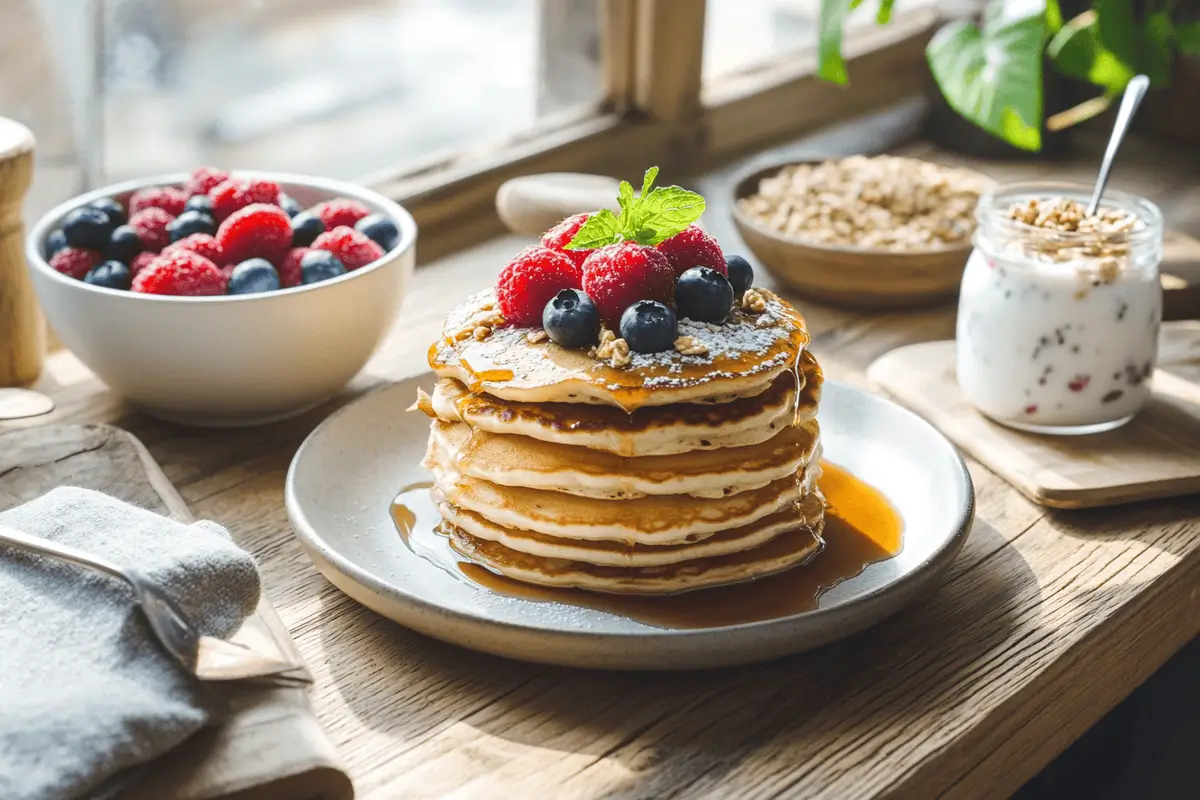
(853, 277)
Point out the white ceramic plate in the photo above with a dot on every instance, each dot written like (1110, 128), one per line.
(345, 475)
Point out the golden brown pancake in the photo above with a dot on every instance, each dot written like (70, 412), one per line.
(745, 355)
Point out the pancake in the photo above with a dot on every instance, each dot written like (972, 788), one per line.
(745, 355)
(782, 552)
(807, 513)
(648, 431)
(651, 520)
(530, 463)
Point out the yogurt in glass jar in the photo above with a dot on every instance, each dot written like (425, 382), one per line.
(1059, 313)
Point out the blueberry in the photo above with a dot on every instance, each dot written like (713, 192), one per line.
(571, 320)
(54, 242)
(252, 276)
(199, 202)
(648, 326)
(741, 274)
(306, 227)
(112, 209)
(88, 228)
(190, 222)
(111, 275)
(123, 245)
(290, 206)
(380, 229)
(318, 266)
(703, 294)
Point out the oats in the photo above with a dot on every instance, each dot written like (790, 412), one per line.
(537, 335)
(481, 332)
(882, 202)
(690, 346)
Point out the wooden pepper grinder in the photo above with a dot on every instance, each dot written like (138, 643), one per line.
(22, 329)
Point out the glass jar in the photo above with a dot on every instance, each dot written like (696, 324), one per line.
(1058, 330)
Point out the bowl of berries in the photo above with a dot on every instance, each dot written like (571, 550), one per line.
(223, 299)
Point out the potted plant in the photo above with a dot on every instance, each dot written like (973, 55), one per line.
(991, 74)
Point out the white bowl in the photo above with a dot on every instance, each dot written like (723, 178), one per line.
(229, 360)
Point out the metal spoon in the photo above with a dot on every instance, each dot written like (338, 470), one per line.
(1135, 90)
(170, 625)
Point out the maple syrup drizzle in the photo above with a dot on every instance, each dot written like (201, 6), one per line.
(861, 528)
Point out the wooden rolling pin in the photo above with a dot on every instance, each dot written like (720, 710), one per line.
(531, 204)
(22, 330)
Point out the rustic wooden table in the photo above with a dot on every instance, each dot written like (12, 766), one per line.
(1046, 620)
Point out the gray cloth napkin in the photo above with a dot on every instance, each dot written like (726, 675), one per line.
(86, 693)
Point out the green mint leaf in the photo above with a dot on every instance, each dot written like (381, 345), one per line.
(648, 180)
(601, 228)
(667, 211)
(646, 236)
(626, 199)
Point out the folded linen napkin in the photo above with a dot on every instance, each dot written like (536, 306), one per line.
(86, 693)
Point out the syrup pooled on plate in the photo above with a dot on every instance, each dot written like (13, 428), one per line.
(861, 528)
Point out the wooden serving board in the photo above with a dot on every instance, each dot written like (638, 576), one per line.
(269, 746)
(1156, 455)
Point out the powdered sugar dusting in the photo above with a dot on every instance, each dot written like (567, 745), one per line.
(746, 344)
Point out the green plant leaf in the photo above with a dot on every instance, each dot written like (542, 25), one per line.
(1187, 38)
(1054, 19)
(1156, 48)
(601, 228)
(885, 12)
(993, 76)
(1077, 52)
(1118, 30)
(830, 66)
(665, 212)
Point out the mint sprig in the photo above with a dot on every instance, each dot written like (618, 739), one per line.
(651, 217)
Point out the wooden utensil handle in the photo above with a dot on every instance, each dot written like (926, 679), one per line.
(22, 330)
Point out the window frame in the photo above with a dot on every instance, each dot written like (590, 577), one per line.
(656, 109)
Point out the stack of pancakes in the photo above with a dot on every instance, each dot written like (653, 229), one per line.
(670, 473)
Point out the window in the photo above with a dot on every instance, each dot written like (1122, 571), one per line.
(743, 34)
(434, 102)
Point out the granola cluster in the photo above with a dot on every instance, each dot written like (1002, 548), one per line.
(480, 325)
(883, 202)
(1060, 229)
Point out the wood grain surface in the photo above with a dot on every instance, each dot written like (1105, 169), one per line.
(22, 329)
(1154, 456)
(1046, 620)
(294, 757)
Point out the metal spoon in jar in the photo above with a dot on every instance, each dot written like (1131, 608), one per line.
(1135, 90)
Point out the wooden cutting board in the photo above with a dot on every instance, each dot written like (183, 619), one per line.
(1154, 456)
(270, 745)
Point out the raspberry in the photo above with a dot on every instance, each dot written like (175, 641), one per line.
(352, 248)
(74, 262)
(618, 275)
(141, 261)
(168, 198)
(289, 270)
(204, 180)
(182, 273)
(201, 244)
(237, 193)
(256, 230)
(340, 211)
(558, 237)
(150, 224)
(693, 247)
(530, 280)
